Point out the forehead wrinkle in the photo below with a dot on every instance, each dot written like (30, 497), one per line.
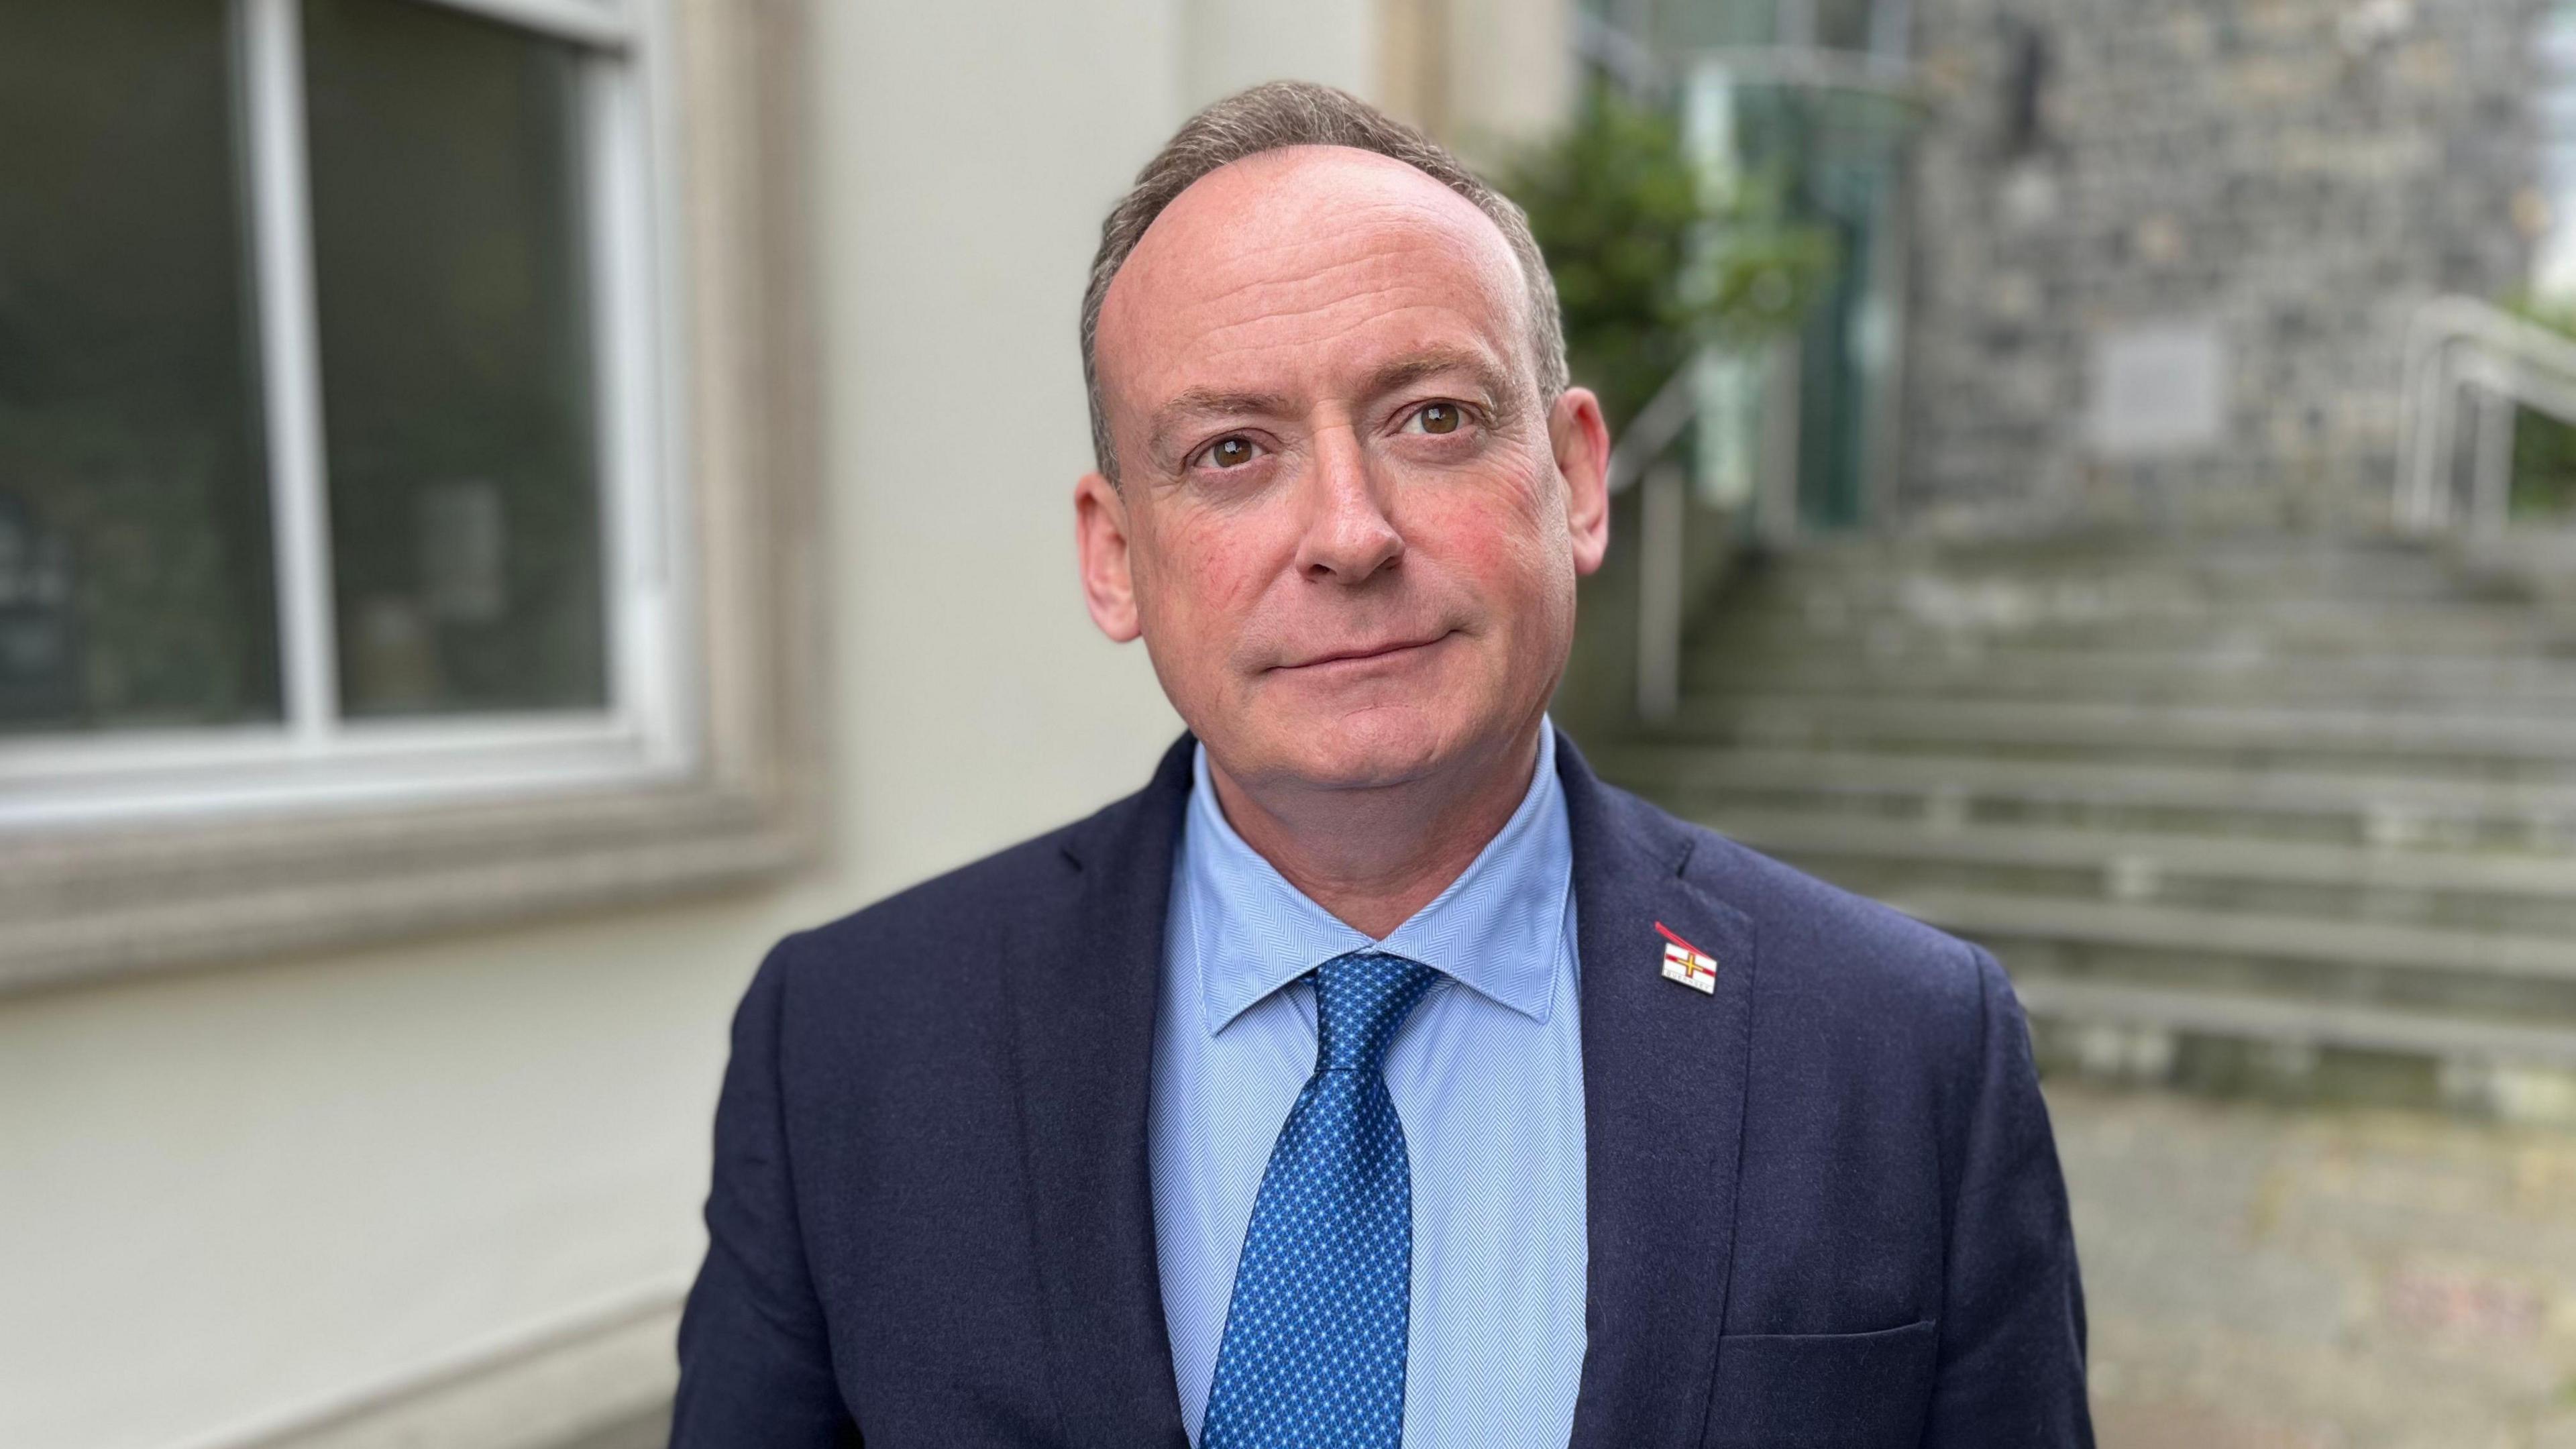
(1257, 310)
(1253, 306)
(1378, 310)
(1360, 248)
(1358, 282)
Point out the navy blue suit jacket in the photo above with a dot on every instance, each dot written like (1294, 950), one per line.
(1823, 1204)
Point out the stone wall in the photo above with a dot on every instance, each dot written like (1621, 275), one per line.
(2165, 250)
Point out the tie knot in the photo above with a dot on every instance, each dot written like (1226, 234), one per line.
(1360, 1001)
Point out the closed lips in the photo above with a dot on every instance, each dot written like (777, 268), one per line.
(1372, 651)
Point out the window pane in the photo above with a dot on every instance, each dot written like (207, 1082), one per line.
(1845, 24)
(456, 378)
(135, 584)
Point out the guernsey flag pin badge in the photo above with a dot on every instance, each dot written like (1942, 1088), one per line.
(1686, 963)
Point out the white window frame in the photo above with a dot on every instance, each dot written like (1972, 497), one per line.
(315, 755)
(138, 850)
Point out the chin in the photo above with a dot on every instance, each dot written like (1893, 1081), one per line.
(1367, 748)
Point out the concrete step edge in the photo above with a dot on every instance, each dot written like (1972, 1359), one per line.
(2174, 855)
(2086, 724)
(1721, 674)
(1666, 765)
(2294, 1022)
(2429, 715)
(2201, 933)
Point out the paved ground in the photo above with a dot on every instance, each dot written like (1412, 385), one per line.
(2265, 1277)
(2273, 1278)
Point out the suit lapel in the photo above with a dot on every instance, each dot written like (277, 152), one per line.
(1083, 1018)
(1664, 1076)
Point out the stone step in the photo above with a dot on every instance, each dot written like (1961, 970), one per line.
(2366, 963)
(2302, 1048)
(2366, 572)
(2007, 604)
(2251, 565)
(2324, 633)
(2294, 1021)
(2530, 749)
(2357, 808)
(2487, 891)
(2432, 684)
(2286, 813)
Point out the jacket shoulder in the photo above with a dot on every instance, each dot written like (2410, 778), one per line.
(1026, 889)
(1029, 886)
(1022, 879)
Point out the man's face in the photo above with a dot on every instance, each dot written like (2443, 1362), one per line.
(1346, 525)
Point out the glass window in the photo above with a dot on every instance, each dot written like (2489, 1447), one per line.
(455, 343)
(135, 573)
(2553, 107)
(328, 405)
(341, 535)
(1877, 27)
(1847, 24)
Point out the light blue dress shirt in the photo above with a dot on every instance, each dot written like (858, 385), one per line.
(1487, 1076)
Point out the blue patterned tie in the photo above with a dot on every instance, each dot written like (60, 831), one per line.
(1313, 1355)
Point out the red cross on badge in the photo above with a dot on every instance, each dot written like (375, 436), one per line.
(1686, 963)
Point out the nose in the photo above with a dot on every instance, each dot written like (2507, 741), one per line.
(1348, 536)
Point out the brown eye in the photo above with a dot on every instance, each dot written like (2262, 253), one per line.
(1438, 417)
(1231, 452)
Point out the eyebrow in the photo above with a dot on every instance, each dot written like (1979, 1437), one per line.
(1404, 372)
(1194, 404)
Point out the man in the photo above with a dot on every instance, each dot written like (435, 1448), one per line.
(1376, 1075)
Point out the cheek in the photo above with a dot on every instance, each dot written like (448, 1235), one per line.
(1504, 545)
(1205, 575)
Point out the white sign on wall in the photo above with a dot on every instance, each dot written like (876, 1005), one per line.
(2159, 390)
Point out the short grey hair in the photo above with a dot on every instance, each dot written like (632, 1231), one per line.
(1273, 116)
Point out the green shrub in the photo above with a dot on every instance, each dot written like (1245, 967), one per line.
(2544, 448)
(1652, 258)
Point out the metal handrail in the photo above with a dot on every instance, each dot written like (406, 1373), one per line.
(1657, 426)
(2459, 350)
(1661, 556)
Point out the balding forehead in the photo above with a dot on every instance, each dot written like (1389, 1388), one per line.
(1313, 181)
(1289, 196)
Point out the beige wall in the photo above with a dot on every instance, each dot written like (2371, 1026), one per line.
(231, 1198)
(1486, 76)
(1229, 44)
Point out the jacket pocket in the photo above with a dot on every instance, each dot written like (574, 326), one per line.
(1823, 1390)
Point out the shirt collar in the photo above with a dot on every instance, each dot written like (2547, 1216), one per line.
(1497, 929)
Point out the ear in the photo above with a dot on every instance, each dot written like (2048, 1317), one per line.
(1580, 438)
(1100, 539)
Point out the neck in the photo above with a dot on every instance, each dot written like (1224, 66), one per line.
(1373, 857)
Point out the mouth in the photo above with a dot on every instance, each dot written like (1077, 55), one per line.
(1364, 655)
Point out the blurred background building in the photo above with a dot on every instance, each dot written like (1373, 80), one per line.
(508, 506)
